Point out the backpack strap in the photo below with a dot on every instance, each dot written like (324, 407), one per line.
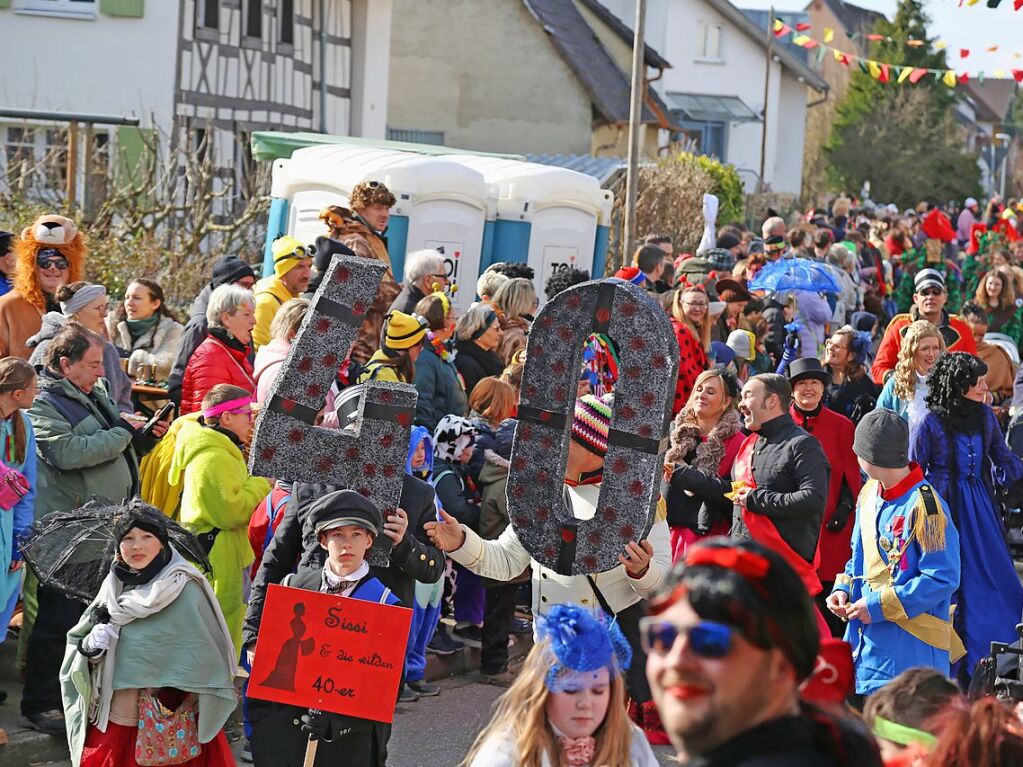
(273, 509)
(71, 411)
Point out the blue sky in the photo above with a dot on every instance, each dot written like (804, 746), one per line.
(976, 28)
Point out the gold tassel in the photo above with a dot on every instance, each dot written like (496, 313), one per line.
(929, 529)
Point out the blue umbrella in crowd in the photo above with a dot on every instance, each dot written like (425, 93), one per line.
(795, 274)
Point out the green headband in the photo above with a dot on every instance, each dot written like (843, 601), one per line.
(901, 734)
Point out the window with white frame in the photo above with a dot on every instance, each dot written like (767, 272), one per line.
(36, 157)
(286, 22)
(254, 19)
(83, 9)
(207, 14)
(710, 42)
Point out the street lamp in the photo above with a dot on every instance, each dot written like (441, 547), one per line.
(1005, 138)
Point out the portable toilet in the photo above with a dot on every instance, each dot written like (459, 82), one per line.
(551, 218)
(440, 204)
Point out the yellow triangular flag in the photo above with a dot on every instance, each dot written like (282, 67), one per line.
(972, 2)
(940, 45)
(999, 73)
(829, 34)
(875, 70)
(778, 25)
(905, 73)
(838, 54)
(800, 40)
(1017, 55)
(949, 79)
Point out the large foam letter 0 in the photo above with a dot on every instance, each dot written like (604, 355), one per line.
(286, 445)
(648, 368)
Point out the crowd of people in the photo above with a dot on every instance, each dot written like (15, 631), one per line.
(849, 436)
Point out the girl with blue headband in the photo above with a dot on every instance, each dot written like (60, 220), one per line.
(567, 705)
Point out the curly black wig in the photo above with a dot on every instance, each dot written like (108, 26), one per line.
(514, 269)
(563, 280)
(949, 380)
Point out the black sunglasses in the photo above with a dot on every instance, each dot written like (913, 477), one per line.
(52, 262)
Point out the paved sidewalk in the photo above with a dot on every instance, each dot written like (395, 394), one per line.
(27, 747)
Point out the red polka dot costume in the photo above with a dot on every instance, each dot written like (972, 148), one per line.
(692, 361)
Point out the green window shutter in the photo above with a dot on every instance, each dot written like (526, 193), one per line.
(135, 159)
(128, 8)
(5, 3)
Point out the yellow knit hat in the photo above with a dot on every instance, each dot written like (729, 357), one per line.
(288, 253)
(404, 330)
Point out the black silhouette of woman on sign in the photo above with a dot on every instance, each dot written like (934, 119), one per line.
(282, 676)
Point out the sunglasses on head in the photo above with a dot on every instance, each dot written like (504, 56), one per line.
(707, 639)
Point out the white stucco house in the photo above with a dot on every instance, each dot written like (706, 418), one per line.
(186, 68)
(715, 86)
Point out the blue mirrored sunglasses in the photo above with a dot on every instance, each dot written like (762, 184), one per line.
(707, 639)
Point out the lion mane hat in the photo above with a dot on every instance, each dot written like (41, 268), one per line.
(49, 231)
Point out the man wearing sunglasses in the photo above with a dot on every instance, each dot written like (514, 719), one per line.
(363, 228)
(731, 638)
(929, 299)
(293, 268)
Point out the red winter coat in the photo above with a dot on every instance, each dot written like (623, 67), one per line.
(214, 362)
(835, 433)
(692, 361)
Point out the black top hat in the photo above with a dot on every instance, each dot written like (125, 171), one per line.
(808, 367)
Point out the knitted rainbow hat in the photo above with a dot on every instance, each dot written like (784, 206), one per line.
(592, 422)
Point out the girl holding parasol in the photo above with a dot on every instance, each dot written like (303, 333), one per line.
(148, 673)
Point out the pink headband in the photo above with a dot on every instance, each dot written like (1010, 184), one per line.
(231, 406)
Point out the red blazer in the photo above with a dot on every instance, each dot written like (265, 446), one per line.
(957, 334)
(692, 360)
(214, 362)
(835, 433)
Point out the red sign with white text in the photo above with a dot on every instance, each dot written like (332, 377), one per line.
(330, 652)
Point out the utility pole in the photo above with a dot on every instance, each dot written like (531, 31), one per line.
(767, 83)
(635, 127)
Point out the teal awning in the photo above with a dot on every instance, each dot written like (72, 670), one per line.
(700, 107)
(271, 145)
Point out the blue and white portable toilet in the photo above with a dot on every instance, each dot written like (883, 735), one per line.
(551, 218)
(440, 204)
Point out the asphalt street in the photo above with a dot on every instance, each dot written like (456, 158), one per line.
(437, 732)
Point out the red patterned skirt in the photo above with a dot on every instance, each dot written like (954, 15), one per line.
(116, 748)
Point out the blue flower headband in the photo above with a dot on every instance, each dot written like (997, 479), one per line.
(581, 641)
(860, 345)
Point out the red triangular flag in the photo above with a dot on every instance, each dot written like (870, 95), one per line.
(1017, 5)
(782, 31)
(964, 78)
(875, 38)
(964, 52)
(1018, 74)
(802, 27)
(884, 73)
(810, 44)
(917, 74)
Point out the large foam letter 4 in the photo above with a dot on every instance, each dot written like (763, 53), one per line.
(369, 458)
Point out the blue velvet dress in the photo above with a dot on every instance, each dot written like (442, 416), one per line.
(964, 468)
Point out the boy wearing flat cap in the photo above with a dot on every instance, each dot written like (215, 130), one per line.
(346, 524)
(896, 590)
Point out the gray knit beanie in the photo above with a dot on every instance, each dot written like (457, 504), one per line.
(882, 438)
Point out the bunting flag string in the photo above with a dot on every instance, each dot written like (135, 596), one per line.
(885, 72)
(829, 35)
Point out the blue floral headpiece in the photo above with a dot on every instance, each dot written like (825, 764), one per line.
(581, 641)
